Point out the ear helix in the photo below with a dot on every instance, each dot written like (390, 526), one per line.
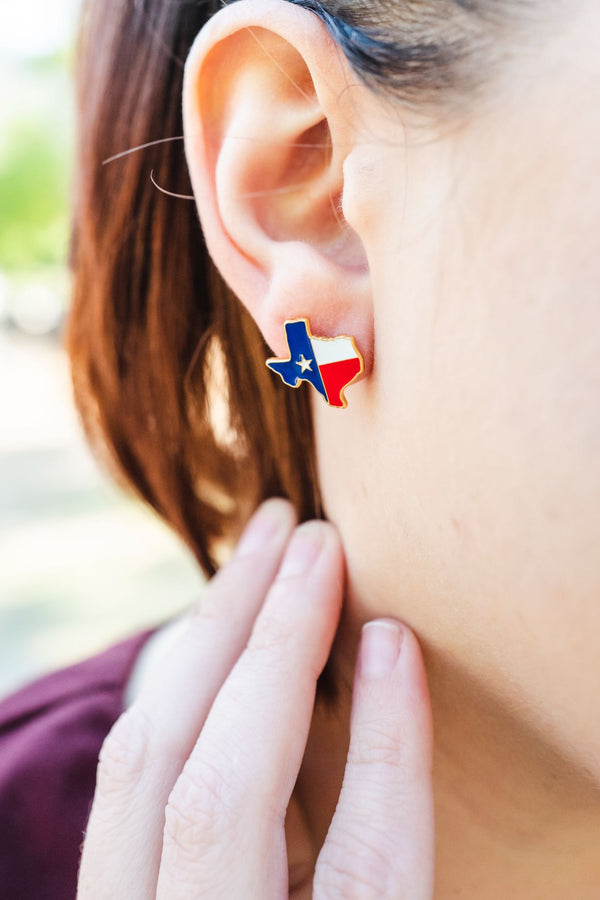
(329, 364)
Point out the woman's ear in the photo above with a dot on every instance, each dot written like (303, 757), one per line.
(270, 119)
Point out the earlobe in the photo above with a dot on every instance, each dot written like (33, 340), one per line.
(268, 124)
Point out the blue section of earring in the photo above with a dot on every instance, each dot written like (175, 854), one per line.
(302, 365)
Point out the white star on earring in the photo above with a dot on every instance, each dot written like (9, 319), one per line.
(304, 363)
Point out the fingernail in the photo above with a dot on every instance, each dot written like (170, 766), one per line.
(264, 525)
(381, 641)
(303, 550)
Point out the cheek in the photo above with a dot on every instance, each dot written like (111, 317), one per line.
(477, 440)
(465, 480)
(465, 474)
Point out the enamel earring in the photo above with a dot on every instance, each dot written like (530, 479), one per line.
(329, 364)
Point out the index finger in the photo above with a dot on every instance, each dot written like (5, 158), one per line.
(146, 749)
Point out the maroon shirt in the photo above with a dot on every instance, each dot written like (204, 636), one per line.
(50, 736)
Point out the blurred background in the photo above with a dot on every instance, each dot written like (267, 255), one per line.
(81, 565)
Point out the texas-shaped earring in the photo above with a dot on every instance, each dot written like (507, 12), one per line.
(329, 364)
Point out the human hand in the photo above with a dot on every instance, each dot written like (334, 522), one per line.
(196, 776)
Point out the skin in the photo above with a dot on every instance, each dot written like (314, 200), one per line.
(194, 785)
(464, 476)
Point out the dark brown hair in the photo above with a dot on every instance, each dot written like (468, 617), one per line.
(168, 368)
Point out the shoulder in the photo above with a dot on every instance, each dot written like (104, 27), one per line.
(51, 732)
(104, 674)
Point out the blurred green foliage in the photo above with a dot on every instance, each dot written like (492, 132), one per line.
(35, 166)
(34, 181)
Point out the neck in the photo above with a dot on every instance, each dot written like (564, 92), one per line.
(513, 817)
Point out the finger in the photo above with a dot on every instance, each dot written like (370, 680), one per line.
(225, 820)
(381, 839)
(146, 749)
